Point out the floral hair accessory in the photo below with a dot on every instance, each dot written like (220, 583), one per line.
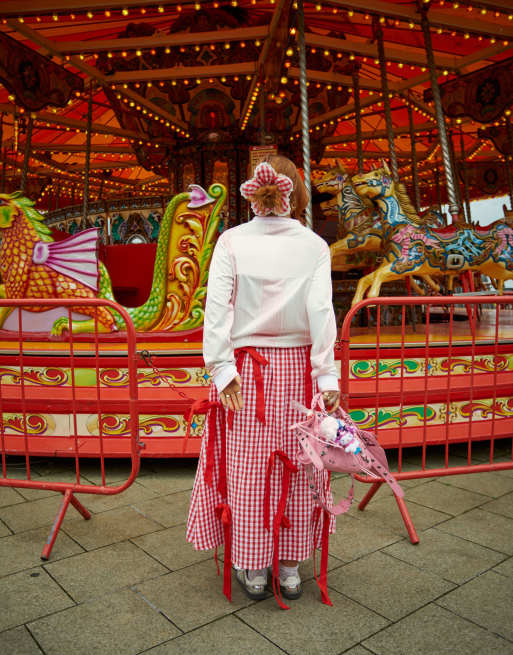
(265, 175)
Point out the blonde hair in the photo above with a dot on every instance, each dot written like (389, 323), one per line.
(268, 197)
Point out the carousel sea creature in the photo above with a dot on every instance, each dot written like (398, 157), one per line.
(413, 248)
(33, 265)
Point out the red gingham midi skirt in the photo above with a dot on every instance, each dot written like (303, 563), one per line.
(248, 446)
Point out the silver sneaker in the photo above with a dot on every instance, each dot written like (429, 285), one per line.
(254, 588)
(291, 586)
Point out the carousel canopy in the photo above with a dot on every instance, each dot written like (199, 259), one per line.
(160, 81)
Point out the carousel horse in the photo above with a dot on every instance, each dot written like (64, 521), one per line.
(33, 265)
(411, 247)
(357, 216)
(352, 209)
(349, 207)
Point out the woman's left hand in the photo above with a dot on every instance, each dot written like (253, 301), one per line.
(231, 395)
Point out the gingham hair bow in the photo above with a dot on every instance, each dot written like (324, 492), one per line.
(266, 175)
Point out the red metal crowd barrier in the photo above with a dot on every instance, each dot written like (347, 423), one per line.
(431, 389)
(52, 388)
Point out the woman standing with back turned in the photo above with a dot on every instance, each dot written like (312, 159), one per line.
(269, 337)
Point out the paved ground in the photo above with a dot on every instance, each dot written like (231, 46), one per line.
(126, 582)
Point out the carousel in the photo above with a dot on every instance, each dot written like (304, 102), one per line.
(126, 129)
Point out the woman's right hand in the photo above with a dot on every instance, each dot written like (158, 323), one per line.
(331, 400)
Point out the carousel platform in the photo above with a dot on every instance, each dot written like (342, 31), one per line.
(407, 387)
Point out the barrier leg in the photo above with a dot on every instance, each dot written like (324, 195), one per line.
(412, 533)
(79, 507)
(368, 496)
(67, 499)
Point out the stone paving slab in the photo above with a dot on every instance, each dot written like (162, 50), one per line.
(433, 630)
(170, 480)
(116, 470)
(435, 458)
(306, 568)
(502, 505)
(117, 624)
(167, 510)
(109, 527)
(490, 530)
(385, 512)
(28, 595)
(506, 459)
(170, 548)
(65, 475)
(356, 537)
(16, 469)
(37, 494)
(505, 568)
(18, 641)
(312, 627)
(105, 570)
(446, 555)
(23, 550)
(357, 650)
(35, 514)
(474, 599)
(4, 530)
(492, 484)
(446, 498)
(227, 636)
(10, 496)
(102, 503)
(387, 585)
(193, 596)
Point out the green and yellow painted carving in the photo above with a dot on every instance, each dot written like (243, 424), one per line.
(47, 377)
(387, 368)
(109, 377)
(434, 414)
(417, 367)
(32, 424)
(393, 416)
(154, 425)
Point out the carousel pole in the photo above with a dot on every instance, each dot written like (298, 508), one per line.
(465, 177)
(304, 109)
(414, 167)
(85, 206)
(454, 162)
(26, 154)
(358, 118)
(261, 116)
(440, 120)
(509, 160)
(378, 31)
(438, 189)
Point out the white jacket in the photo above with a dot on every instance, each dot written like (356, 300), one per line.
(269, 284)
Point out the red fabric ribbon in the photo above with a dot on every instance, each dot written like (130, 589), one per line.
(197, 407)
(258, 361)
(279, 520)
(224, 514)
(222, 486)
(322, 582)
(308, 380)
